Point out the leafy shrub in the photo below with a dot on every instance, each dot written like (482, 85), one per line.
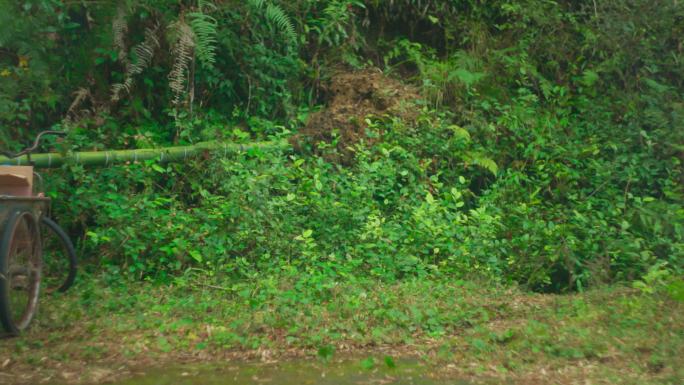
(550, 154)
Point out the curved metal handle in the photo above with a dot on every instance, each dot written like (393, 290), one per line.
(35, 145)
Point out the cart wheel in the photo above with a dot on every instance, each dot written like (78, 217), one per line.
(59, 257)
(20, 271)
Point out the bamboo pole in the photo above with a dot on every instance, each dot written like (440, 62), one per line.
(163, 155)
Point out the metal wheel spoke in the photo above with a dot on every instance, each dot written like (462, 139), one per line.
(22, 257)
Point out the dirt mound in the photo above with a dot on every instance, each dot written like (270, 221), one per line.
(352, 97)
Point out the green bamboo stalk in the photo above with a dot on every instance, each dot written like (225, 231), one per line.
(163, 155)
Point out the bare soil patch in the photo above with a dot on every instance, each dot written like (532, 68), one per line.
(353, 96)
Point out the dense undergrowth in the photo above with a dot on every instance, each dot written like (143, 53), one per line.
(545, 149)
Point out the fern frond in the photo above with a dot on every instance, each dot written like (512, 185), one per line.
(460, 132)
(277, 16)
(120, 88)
(257, 3)
(119, 32)
(487, 164)
(144, 53)
(203, 5)
(205, 28)
(183, 49)
(482, 161)
(75, 112)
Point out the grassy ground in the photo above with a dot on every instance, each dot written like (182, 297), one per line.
(98, 332)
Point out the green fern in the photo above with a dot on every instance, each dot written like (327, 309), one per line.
(205, 28)
(460, 132)
(482, 161)
(278, 18)
(257, 3)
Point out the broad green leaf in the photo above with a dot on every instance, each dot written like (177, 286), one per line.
(429, 198)
(196, 255)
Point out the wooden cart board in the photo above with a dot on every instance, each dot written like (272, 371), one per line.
(16, 180)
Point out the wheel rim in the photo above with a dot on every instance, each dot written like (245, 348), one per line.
(23, 272)
(55, 271)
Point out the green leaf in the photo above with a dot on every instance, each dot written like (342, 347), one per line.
(326, 352)
(429, 198)
(389, 361)
(676, 290)
(164, 344)
(368, 363)
(466, 77)
(196, 255)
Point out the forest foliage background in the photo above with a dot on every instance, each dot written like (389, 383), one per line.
(545, 146)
